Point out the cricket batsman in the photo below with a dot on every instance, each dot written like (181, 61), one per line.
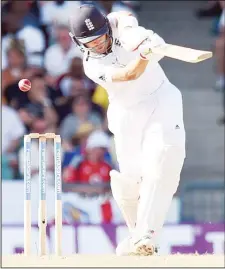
(145, 115)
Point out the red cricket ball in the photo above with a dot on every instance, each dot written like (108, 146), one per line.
(24, 85)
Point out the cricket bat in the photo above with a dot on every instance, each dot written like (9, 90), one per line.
(182, 53)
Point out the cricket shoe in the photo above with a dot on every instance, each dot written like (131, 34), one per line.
(145, 246)
(127, 248)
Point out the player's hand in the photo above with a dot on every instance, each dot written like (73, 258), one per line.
(146, 47)
(155, 40)
(145, 50)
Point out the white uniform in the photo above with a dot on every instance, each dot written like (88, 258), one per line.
(146, 117)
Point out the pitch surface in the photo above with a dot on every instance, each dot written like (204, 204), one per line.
(114, 261)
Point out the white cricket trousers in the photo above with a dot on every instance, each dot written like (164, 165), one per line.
(150, 145)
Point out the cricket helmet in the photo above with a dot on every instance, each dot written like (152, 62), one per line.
(87, 25)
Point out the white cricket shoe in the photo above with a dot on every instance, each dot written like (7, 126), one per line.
(143, 247)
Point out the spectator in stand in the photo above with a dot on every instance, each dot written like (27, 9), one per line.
(88, 176)
(29, 113)
(55, 12)
(19, 67)
(75, 82)
(12, 129)
(42, 98)
(79, 141)
(213, 9)
(38, 125)
(58, 56)
(33, 38)
(12, 132)
(90, 169)
(26, 9)
(16, 98)
(81, 113)
(112, 6)
(16, 59)
(70, 85)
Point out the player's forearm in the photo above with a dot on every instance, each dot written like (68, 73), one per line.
(131, 72)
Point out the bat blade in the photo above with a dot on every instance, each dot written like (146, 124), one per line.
(182, 53)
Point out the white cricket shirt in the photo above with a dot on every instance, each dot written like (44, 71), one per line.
(127, 93)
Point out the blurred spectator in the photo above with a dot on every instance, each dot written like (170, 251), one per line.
(91, 168)
(12, 129)
(112, 6)
(16, 63)
(39, 125)
(16, 98)
(33, 38)
(18, 68)
(12, 132)
(29, 113)
(72, 87)
(9, 166)
(81, 113)
(58, 56)
(79, 142)
(213, 9)
(40, 102)
(75, 82)
(56, 12)
(26, 9)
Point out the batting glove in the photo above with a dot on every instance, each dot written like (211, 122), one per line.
(145, 49)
